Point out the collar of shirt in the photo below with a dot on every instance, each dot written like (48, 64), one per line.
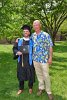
(38, 33)
(26, 39)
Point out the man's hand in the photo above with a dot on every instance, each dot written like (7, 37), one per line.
(50, 60)
(19, 53)
(50, 55)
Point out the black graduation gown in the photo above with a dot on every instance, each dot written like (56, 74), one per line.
(25, 72)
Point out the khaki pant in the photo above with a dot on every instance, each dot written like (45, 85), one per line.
(42, 72)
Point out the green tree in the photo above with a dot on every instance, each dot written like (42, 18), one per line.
(14, 13)
(52, 13)
(10, 18)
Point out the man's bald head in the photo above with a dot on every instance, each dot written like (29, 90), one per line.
(37, 25)
(37, 22)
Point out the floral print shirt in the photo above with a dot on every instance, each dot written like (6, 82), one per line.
(41, 44)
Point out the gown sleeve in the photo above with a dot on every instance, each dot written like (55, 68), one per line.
(15, 50)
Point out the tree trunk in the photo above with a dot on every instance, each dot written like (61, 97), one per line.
(53, 40)
(53, 37)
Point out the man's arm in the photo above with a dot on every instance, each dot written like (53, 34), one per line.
(15, 50)
(50, 55)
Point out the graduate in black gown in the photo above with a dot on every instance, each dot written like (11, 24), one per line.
(25, 68)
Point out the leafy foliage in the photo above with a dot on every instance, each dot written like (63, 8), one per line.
(14, 13)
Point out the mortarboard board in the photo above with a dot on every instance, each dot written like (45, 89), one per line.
(26, 27)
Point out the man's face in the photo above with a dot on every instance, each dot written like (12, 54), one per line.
(36, 26)
(26, 33)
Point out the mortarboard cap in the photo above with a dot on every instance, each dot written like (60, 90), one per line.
(26, 27)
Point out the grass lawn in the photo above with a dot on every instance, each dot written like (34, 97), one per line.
(9, 82)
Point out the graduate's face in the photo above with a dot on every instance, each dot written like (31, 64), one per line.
(26, 33)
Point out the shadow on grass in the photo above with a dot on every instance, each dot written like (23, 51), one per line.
(60, 48)
(10, 94)
(7, 66)
(59, 66)
(6, 59)
(8, 80)
(57, 97)
(59, 62)
(59, 59)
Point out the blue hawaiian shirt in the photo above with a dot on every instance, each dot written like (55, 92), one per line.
(41, 44)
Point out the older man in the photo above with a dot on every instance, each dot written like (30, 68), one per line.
(42, 57)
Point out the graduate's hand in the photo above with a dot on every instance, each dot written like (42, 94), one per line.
(19, 53)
